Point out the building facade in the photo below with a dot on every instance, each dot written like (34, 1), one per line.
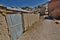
(54, 9)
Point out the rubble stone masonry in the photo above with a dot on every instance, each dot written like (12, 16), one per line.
(3, 29)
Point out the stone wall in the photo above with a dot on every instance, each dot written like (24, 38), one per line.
(3, 29)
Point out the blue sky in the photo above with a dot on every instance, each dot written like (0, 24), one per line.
(20, 3)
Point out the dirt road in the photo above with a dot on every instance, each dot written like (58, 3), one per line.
(44, 30)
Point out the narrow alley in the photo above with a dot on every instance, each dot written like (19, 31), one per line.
(43, 30)
(30, 20)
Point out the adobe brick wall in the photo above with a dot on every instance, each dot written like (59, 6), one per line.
(30, 19)
(54, 8)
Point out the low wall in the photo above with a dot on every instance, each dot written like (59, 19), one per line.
(30, 19)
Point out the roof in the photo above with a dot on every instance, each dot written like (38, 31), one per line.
(17, 9)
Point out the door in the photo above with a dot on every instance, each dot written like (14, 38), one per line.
(15, 24)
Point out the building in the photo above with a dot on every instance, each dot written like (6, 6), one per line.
(45, 5)
(27, 8)
(54, 9)
(43, 9)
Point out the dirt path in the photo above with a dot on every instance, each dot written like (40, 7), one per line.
(44, 30)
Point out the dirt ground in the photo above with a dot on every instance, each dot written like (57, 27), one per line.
(43, 30)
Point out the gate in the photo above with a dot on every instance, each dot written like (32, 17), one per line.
(15, 24)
